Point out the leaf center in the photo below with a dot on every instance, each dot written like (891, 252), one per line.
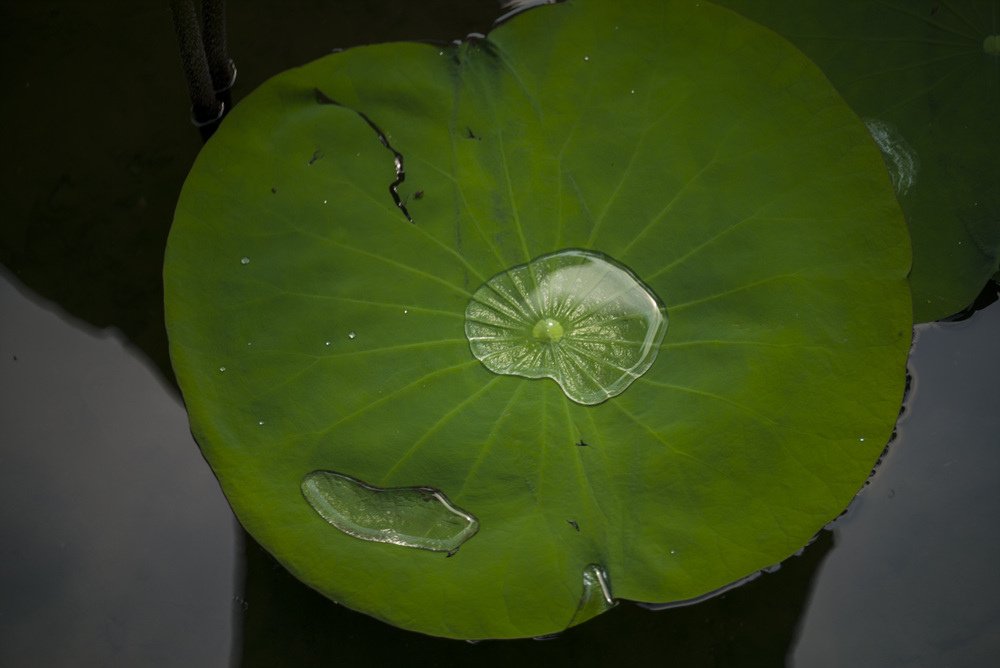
(548, 330)
(574, 316)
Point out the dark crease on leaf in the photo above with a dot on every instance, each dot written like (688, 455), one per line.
(398, 160)
(323, 98)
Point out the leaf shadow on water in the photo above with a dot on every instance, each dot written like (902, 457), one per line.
(287, 623)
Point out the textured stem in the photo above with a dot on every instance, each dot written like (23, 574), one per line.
(220, 65)
(205, 108)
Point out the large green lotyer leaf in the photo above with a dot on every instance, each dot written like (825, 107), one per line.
(635, 328)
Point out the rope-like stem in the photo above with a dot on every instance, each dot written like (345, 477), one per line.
(204, 107)
(220, 65)
(209, 70)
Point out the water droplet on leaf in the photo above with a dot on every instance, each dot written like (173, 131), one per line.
(548, 330)
(421, 517)
(596, 597)
(352, 335)
(899, 156)
(244, 260)
(574, 316)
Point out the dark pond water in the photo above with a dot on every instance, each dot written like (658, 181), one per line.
(116, 546)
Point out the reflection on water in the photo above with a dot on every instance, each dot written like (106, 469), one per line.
(116, 545)
(913, 579)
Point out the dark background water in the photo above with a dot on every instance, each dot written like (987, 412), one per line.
(116, 546)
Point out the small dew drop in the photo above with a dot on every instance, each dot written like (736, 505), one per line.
(586, 58)
(222, 369)
(862, 439)
(324, 201)
(632, 91)
(326, 343)
(352, 335)
(260, 423)
(244, 260)
(405, 311)
(249, 344)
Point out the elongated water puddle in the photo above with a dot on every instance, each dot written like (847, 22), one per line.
(419, 517)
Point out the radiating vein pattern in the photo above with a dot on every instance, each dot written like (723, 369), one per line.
(574, 316)
(375, 395)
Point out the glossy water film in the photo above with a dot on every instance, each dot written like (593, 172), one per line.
(421, 517)
(574, 316)
(899, 156)
(596, 597)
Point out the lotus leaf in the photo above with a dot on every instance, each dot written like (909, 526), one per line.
(333, 234)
